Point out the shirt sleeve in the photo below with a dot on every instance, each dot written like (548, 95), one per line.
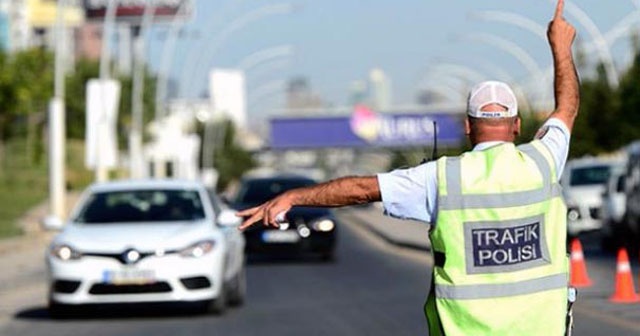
(556, 136)
(410, 193)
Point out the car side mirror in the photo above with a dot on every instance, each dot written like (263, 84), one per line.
(52, 223)
(228, 218)
(226, 199)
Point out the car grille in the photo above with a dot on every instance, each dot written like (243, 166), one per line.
(65, 286)
(595, 213)
(196, 282)
(106, 289)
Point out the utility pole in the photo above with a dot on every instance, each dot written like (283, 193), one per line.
(57, 129)
(105, 60)
(137, 110)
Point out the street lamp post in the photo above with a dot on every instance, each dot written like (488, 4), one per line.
(188, 81)
(57, 123)
(135, 137)
(105, 73)
(167, 59)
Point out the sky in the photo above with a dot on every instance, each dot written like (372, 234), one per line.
(417, 43)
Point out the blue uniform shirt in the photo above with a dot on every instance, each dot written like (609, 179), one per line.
(412, 193)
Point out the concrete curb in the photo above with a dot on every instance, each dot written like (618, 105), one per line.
(407, 234)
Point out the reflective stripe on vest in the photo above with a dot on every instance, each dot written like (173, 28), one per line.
(454, 197)
(485, 291)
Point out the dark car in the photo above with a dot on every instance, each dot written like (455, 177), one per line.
(306, 230)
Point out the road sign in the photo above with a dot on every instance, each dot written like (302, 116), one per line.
(132, 11)
(103, 98)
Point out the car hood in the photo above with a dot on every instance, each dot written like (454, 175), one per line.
(308, 214)
(304, 213)
(114, 238)
(584, 195)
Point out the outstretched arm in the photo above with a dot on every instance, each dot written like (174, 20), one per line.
(339, 192)
(566, 84)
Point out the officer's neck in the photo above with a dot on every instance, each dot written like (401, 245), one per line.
(477, 139)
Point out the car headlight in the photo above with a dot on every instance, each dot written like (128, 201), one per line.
(324, 225)
(64, 252)
(573, 214)
(198, 249)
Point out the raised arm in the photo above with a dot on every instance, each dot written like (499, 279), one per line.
(335, 193)
(566, 84)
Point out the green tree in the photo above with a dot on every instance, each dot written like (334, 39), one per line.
(125, 111)
(26, 84)
(75, 98)
(628, 118)
(231, 160)
(599, 114)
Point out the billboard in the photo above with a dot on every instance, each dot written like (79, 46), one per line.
(365, 128)
(103, 97)
(133, 10)
(44, 14)
(228, 95)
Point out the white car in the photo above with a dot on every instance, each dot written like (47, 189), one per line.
(583, 184)
(147, 241)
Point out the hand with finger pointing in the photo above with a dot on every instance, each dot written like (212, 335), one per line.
(560, 33)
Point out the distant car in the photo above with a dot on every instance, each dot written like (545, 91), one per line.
(583, 184)
(614, 203)
(147, 241)
(631, 223)
(306, 230)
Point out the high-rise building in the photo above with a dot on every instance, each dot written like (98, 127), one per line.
(358, 92)
(379, 90)
(300, 95)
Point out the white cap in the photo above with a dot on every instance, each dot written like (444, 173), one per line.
(492, 92)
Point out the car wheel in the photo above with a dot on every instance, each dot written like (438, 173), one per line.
(218, 305)
(238, 287)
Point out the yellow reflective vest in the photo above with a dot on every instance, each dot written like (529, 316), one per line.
(499, 244)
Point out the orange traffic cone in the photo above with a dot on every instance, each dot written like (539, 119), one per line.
(579, 277)
(625, 291)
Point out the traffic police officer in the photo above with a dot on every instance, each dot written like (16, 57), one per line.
(498, 220)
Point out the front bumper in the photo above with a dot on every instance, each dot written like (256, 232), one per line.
(316, 242)
(588, 219)
(169, 278)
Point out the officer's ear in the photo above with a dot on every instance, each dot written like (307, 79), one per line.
(467, 127)
(517, 126)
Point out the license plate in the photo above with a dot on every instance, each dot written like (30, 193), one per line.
(128, 277)
(277, 236)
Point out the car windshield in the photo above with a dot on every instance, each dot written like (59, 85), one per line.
(261, 190)
(141, 206)
(589, 175)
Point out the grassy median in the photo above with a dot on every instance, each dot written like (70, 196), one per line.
(24, 180)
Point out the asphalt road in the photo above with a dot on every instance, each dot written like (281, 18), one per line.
(371, 289)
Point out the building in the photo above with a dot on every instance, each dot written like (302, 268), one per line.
(300, 95)
(88, 41)
(28, 24)
(379, 90)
